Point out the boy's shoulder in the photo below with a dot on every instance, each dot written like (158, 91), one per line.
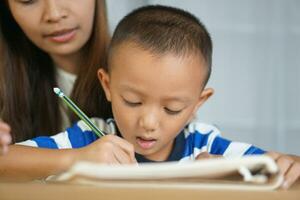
(201, 137)
(106, 125)
(197, 126)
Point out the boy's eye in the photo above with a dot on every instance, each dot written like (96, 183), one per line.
(172, 112)
(131, 103)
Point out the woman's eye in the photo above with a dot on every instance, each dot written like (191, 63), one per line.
(172, 112)
(27, 1)
(131, 103)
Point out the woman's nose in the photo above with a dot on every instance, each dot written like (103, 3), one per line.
(54, 11)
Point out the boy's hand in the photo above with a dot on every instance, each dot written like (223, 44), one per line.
(289, 166)
(5, 138)
(110, 149)
(205, 155)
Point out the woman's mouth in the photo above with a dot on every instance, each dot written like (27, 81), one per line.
(62, 36)
(145, 143)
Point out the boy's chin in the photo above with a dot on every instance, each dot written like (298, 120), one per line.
(150, 154)
(145, 153)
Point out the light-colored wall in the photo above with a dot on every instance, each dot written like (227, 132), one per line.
(117, 9)
(256, 67)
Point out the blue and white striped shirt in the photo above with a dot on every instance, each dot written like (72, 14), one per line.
(194, 139)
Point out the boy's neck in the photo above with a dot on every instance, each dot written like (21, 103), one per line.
(175, 154)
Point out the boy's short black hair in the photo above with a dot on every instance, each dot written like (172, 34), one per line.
(163, 29)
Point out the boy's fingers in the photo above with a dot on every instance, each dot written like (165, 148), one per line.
(205, 155)
(121, 156)
(292, 175)
(126, 146)
(113, 161)
(284, 163)
(273, 155)
(288, 167)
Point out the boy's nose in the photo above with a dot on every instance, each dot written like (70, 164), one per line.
(149, 122)
(54, 10)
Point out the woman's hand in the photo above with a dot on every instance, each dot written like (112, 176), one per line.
(289, 166)
(109, 149)
(5, 137)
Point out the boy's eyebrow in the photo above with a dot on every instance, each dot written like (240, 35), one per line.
(128, 88)
(181, 99)
(166, 98)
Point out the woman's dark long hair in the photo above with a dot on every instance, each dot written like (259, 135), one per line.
(27, 76)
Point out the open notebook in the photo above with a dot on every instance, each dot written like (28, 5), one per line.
(246, 173)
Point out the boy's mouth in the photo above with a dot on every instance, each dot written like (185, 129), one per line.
(145, 143)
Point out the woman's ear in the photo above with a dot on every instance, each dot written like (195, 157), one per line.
(204, 96)
(103, 77)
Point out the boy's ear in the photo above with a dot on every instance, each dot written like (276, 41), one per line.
(103, 77)
(205, 94)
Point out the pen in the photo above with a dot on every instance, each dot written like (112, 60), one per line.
(78, 112)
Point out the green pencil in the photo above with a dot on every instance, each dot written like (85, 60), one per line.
(78, 112)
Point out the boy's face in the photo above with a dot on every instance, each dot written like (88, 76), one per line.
(153, 97)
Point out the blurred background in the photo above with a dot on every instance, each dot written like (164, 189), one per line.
(256, 67)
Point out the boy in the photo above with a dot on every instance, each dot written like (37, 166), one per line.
(159, 62)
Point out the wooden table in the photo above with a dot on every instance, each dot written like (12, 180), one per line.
(45, 191)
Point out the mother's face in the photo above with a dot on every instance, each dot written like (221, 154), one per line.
(60, 28)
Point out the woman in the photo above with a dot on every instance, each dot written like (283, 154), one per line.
(43, 44)
(5, 137)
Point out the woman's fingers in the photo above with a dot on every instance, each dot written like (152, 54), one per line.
(5, 138)
(4, 127)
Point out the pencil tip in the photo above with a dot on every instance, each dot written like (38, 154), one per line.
(58, 91)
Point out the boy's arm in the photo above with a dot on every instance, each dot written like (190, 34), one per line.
(289, 165)
(26, 163)
(23, 163)
(296, 158)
